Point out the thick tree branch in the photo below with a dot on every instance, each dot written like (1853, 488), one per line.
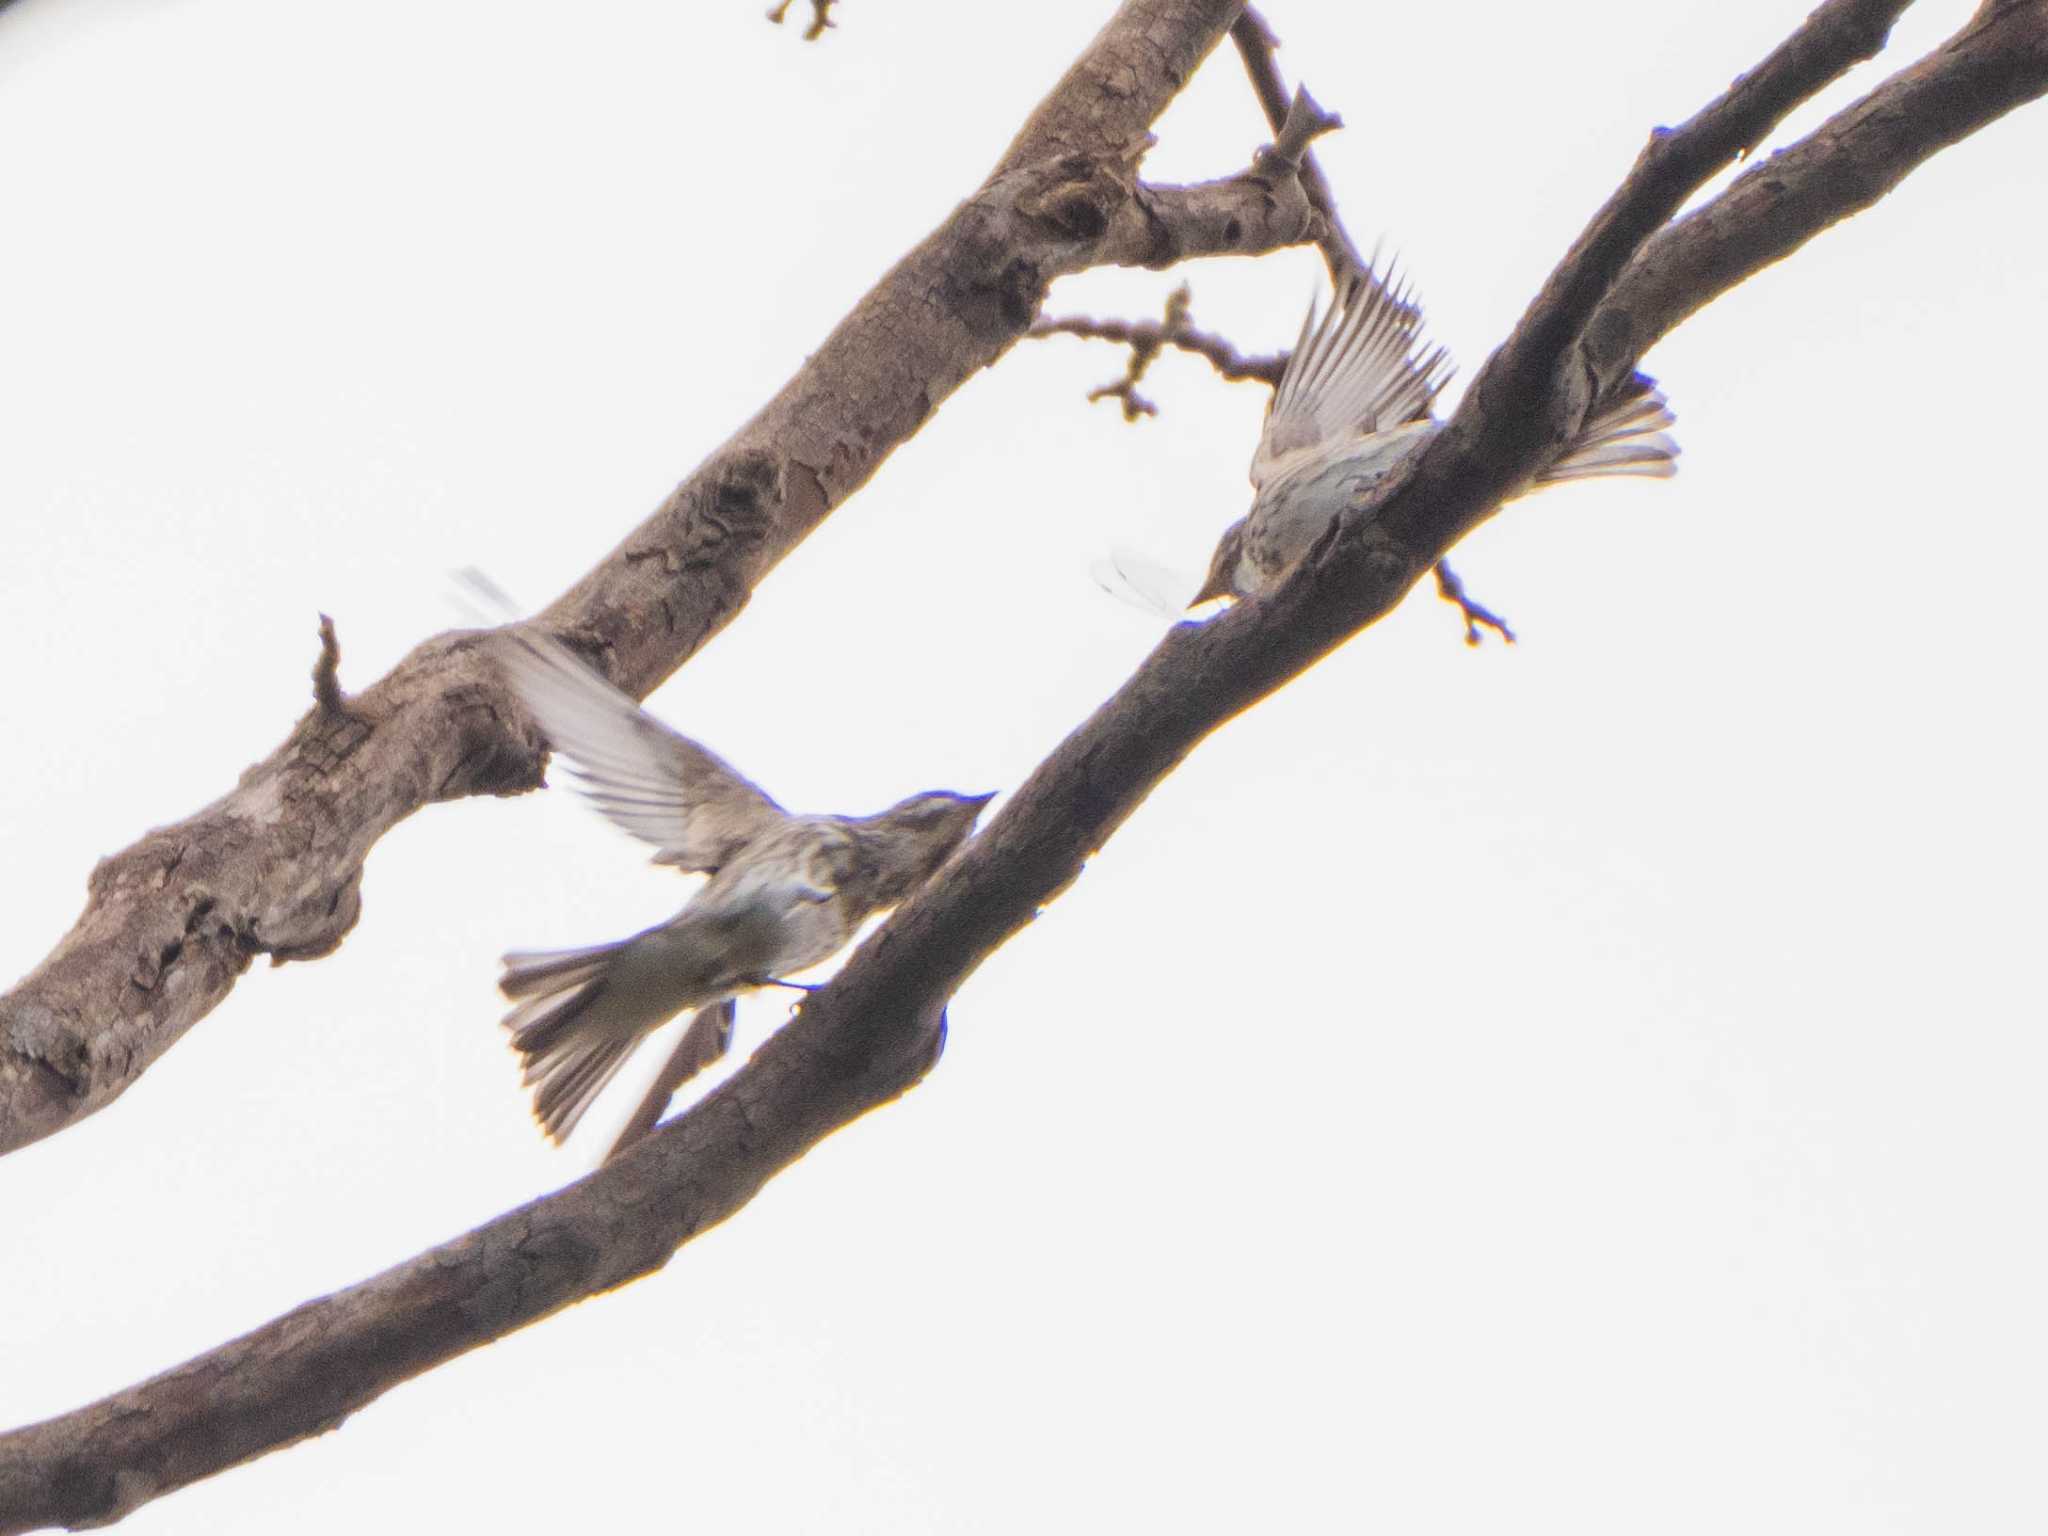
(1994, 64)
(1512, 420)
(877, 1027)
(274, 867)
(307, 1371)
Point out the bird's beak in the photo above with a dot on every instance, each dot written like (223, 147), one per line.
(1218, 585)
(978, 801)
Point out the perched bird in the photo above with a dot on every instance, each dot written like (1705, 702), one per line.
(1354, 404)
(785, 891)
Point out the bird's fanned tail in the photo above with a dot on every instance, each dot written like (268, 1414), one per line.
(528, 971)
(1624, 436)
(567, 1066)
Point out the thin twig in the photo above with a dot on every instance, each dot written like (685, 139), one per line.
(1146, 338)
(821, 17)
(1143, 351)
(327, 673)
(1451, 588)
(1219, 353)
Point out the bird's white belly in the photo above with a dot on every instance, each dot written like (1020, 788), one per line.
(1292, 512)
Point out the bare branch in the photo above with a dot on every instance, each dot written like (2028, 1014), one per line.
(821, 17)
(877, 1026)
(307, 1371)
(274, 866)
(1303, 124)
(1255, 44)
(1143, 351)
(1153, 335)
(1451, 588)
(327, 674)
(1259, 210)
(1147, 338)
(1994, 64)
(1672, 166)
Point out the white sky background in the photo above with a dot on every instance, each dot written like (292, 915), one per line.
(1590, 1086)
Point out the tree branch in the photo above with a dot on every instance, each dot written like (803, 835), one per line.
(1512, 420)
(1255, 44)
(1147, 338)
(876, 1028)
(821, 17)
(274, 867)
(327, 672)
(1994, 64)
(1477, 616)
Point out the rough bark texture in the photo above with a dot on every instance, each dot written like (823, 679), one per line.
(274, 867)
(878, 1026)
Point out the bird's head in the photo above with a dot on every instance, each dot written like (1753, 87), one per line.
(914, 837)
(1222, 578)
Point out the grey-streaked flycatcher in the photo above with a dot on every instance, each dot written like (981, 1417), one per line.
(1354, 404)
(785, 891)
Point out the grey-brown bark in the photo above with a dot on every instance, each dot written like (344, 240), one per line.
(274, 867)
(873, 1032)
(1255, 42)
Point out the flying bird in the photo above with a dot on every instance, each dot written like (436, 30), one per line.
(786, 891)
(1354, 404)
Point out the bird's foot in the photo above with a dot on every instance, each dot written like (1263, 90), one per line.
(777, 981)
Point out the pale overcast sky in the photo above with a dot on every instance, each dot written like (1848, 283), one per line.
(1592, 1086)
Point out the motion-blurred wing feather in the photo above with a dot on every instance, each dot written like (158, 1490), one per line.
(1144, 583)
(655, 783)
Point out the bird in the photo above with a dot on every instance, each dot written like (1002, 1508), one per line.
(1354, 404)
(785, 891)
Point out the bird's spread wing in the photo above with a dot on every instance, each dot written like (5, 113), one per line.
(660, 786)
(1360, 368)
